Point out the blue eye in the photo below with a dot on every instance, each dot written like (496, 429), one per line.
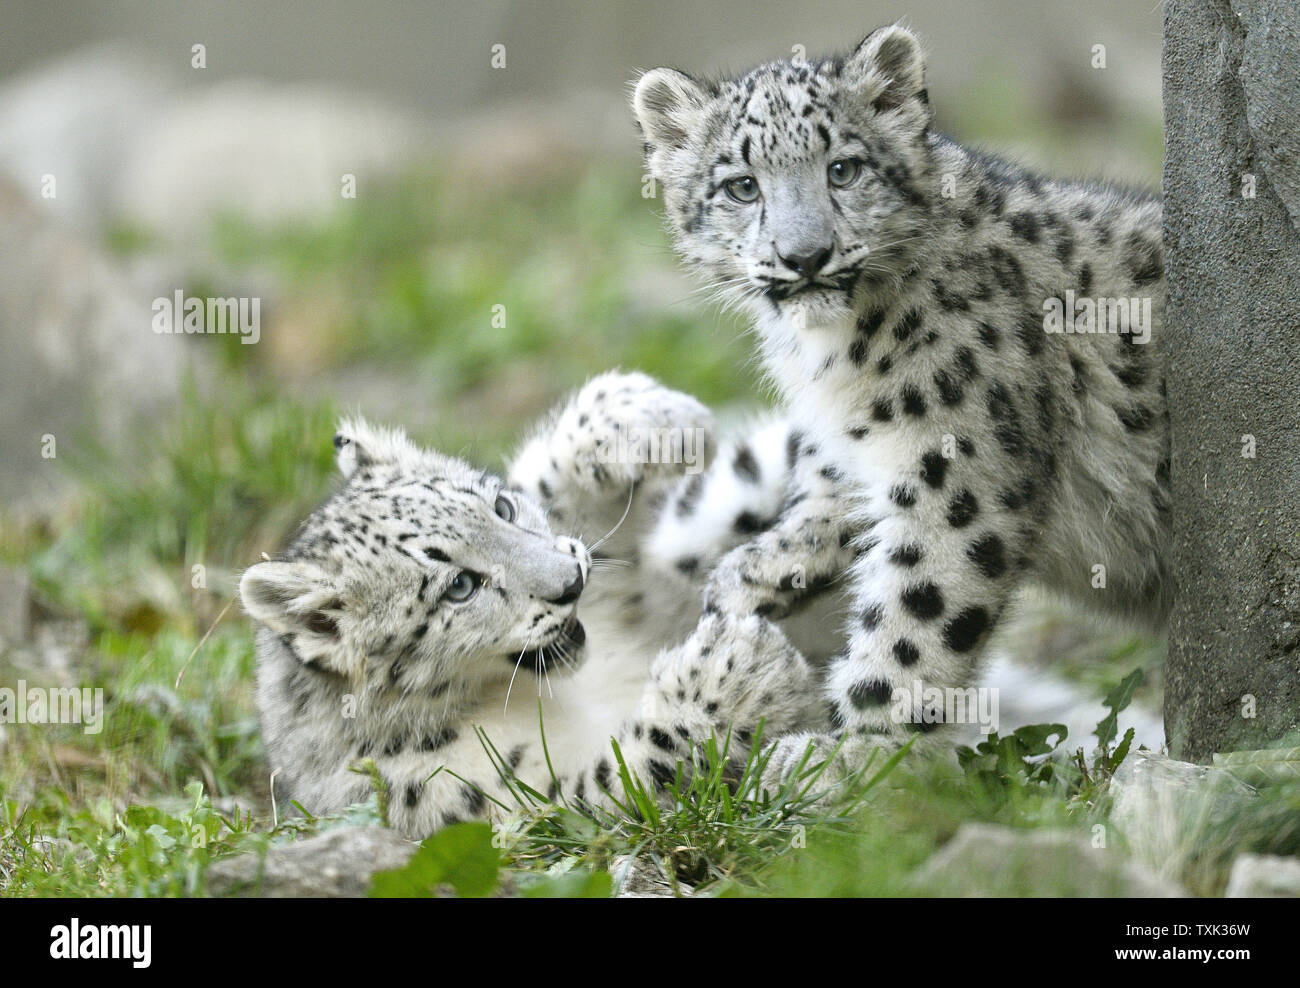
(844, 172)
(463, 587)
(744, 189)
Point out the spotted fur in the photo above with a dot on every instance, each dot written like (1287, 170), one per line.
(951, 448)
(429, 605)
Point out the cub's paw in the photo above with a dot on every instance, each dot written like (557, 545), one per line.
(739, 670)
(624, 428)
(741, 585)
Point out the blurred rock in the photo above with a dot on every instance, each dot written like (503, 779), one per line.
(987, 860)
(78, 118)
(266, 152)
(1264, 876)
(1168, 809)
(81, 358)
(335, 864)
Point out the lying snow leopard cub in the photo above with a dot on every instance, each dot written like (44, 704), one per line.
(909, 297)
(427, 599)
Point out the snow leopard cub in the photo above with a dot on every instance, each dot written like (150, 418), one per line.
(427, 601)
(908, 296)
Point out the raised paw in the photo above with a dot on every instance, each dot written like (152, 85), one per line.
(624, 428)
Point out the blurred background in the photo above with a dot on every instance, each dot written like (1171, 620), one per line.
(498, 251)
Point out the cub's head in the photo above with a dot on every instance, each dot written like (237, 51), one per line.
(793, 184)
(423, 571)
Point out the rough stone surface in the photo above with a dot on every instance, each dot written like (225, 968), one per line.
(1168, 810)
(335, 864)
(1264, 876)
(987, 860)
(1231, 112)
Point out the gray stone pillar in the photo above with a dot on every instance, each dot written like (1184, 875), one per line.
(1232, 235)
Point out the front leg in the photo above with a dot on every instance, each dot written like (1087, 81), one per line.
(809, 547)
(951, 536)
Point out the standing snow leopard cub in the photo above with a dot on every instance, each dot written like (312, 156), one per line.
(908, 294)
(428, 600)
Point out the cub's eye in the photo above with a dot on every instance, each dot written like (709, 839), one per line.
(844, 172)
(463, 587)
(505, 508)
(743, 189)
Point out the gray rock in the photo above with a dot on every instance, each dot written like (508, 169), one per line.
(1169, 810)
(1264, 876)
(1232, 101)
(335, 864)
(987, 860)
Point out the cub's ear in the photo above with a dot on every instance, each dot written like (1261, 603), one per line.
(667, 104)
(294, 598)
(359, 444)
(891, 61)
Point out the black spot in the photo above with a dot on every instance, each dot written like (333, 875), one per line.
(1024, 226)
(792, 443)
(690, 495)
(966, 447)
(869, 322)
(906, 555)
(1133, 375)
(413, 796)
(906, 652)
(871, 617)
(950, 392)
(988, 336)
(962, 509)
(882, 410)
(437, 554)
(913, 400)
(962, 632)
(1085, 279)
(1031, 333)
(884, 364)
(988, 555)
(910, 322)
(662, 740)
(858, 432)
(1136, 419)
(903, 495)
(1076, 365)
(934, 466)
(1015, 498)
(440, 740)
(747, 523)
(923, 601)
(869, 693)
(661, 773)
(688, 564)
(745, 465)
(474, 800)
